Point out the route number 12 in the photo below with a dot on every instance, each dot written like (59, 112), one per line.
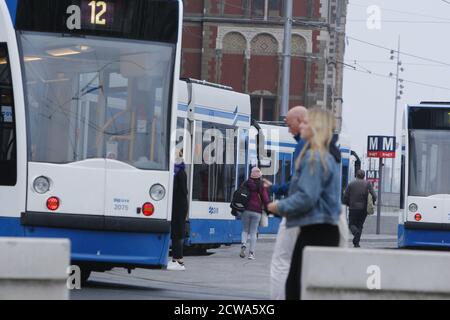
(97, 17)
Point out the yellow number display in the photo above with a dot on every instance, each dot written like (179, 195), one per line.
(97, 18)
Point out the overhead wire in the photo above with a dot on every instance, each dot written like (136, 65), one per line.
(410, 13)
(370, 72)
(403, 53)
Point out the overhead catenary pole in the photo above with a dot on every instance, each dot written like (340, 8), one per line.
(380, 185)
(397, 97)
(286, 58)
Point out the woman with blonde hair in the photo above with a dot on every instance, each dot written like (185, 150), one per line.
(314, 195)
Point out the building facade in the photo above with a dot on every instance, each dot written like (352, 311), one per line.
(239, 43)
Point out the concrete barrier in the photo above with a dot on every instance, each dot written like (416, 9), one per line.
(34, 268)
(347, 274)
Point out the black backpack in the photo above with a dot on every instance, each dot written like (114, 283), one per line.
(240, 199)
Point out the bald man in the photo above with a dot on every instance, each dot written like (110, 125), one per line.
(286, 238)
(294, 118)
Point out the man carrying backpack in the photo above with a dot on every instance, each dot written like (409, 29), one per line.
(355, 198)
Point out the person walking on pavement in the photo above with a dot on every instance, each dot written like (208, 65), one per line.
(313, 203)
(180, 208)
(355, 197)
(251, 217)
(285, 240)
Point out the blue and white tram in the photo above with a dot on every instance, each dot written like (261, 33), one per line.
(346, 152)
(213, 131)
(279, 146)
(87, 90)
(425, 176)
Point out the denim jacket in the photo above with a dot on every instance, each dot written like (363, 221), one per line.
(314, 196)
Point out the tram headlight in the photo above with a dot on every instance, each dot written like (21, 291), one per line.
(41, 184)
(413, 207)
(157, 192)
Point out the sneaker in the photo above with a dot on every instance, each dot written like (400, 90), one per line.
(242, 254)
(251, 256)
(175, 266)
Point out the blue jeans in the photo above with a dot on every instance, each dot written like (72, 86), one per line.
(250, 224)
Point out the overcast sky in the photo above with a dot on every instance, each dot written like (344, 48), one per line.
(369, 99)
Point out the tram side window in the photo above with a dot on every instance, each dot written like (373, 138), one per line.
(429, 173)
(214, 176)
(243, 156)
(8, 163)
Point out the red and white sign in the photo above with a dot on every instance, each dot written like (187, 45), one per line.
(381, 147)
(373, 177)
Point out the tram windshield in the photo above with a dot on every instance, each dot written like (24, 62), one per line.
(429, 158)
(91, 97)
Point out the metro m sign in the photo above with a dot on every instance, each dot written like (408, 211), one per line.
(372, 175)
(381, 147)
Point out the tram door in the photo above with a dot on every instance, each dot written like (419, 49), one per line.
(119, 120)
(285, 168)
(132, 138)
(11, 179)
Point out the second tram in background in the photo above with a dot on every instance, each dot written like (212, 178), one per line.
(425, 176)
(214, 122)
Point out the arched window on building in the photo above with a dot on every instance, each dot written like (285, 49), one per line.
(263, 81)
(264, 45)
(298, 71)
(299, 46)
(234, 42)
(232, 69)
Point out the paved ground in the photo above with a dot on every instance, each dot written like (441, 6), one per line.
(220, 275)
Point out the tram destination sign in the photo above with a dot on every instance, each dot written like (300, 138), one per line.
(381, 146)
(152, 20)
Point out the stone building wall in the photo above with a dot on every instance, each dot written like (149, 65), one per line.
(233, 42)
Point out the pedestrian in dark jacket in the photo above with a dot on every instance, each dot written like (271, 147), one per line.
(313, 203)
(259, 199)
(355, 198)
(180, 208)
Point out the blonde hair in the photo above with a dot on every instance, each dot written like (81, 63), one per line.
(322, 126)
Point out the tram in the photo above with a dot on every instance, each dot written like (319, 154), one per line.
(424, 220)
(213, 131)
(86, 97)
(279, 146)
(221, 143)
